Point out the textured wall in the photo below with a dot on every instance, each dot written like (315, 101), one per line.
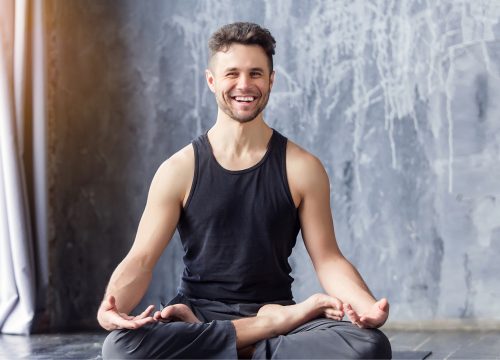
(395, 97)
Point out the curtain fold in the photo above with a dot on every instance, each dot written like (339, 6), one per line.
(22, 121)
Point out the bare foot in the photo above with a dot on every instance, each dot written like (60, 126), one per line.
(176, 312)
(289, 317)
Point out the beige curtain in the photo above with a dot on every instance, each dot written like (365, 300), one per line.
(22, 151)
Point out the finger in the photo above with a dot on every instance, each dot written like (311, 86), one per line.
(133, 324)
(383, 305)
(333, 312)
(146, 312)
(147, 320)
(157, 316)
(353, 316)
(166, 312)
(338, 304)
(122, 323)
(351, 313)
(336, 318)
(334, 303)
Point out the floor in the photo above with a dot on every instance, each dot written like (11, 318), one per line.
(448, 344)
(406, 345)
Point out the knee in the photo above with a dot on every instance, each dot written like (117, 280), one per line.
(113, 346)
(377, 346)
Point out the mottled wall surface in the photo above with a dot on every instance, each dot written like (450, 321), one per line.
(396, 98)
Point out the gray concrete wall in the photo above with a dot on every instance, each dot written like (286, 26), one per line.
(396, 98)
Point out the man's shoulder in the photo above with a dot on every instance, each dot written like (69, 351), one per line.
(299, 157)
(305, 171)
(183, 159)
(178, 168)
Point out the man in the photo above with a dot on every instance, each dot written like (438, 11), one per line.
(238, 195)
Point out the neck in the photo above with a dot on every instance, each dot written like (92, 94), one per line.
(231, 136)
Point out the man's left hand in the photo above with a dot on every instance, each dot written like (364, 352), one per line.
(374, 317)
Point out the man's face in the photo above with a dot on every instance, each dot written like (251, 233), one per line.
(241, 81)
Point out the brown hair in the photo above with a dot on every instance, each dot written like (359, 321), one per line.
(244, 33)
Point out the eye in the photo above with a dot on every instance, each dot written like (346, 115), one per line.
(255, 74)
(232, 74)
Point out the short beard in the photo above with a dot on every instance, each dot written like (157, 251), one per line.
(245, 119)
(227, 110)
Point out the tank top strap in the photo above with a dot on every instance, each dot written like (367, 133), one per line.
(202, 149)
(278, 147)
(201, 159)
(278, 160)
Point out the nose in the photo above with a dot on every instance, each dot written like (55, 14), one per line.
(244, 81)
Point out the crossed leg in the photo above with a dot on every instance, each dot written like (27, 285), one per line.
(326, 339)
(277, 329)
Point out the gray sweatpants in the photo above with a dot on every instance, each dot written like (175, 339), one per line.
(215, 337)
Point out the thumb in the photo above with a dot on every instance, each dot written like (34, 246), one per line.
(109, 302)
(383, 305)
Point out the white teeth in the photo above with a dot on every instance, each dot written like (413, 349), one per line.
(244, 98)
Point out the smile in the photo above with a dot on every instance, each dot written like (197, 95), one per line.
(243, 99)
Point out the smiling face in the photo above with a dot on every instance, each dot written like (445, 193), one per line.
(241, 80)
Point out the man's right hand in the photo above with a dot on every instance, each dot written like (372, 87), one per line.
(111, 319)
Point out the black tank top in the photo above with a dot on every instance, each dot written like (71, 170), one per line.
(238, 228)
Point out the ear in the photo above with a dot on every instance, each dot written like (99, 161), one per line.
(210, 80)
(271, 80)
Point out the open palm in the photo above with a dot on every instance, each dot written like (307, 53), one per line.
(374, 317)
(110, 318)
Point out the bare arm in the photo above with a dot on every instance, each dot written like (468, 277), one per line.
(132, 276)
(336, 274)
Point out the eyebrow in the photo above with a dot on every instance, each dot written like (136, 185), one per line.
(236, 69)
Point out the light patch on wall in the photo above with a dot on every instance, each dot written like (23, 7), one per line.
(486, 219)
